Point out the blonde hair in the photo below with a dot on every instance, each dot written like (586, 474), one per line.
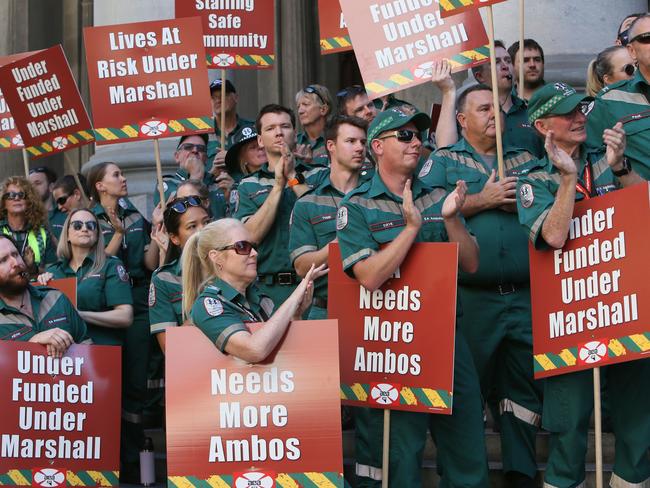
(599, 68)
(197, 268)
(64, 248)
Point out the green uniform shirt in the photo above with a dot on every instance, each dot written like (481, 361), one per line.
(99, 292)
(56, 219)
(251, 195)
(371, 215)
(221, 311)
(518, 131)
(43, 246)
(218, 204)
(166, 297)
(536, 190)
(214, 144)
(51, 309)
(504, 248)
(317, 146)
(627, 102)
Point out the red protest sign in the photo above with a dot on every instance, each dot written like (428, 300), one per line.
(60, 417)
(10, 138)
(334, 36)
(455, 7)
(236, 35)
(396, 46)
(591, 299)
(45, 102)
(147, 80)
(66, 285)
(240, 424)
(396, 345)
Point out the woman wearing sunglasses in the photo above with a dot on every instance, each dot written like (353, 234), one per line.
(67, 197)
(23, 217)
(610, 66)
(183, 218)
(219, 268)
(104, 296)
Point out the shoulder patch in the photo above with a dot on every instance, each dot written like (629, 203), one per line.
(526, 195)
(152, 295)
(341, 218)
(122, 273)
(426, 169)
(213, 307)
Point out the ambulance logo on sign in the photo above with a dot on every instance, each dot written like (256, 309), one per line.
(17, 140)
(223, 60)
(48, 477)
(60, 142)
(384, 393)
(257, 479)
(592, 352)
(153, 128)
(423, 70)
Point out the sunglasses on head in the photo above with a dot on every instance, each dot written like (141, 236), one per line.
(188, 146)
(91, 225)
(181, 205)
(40, 169)
(14, 195)
(351, 91)
(629, 69)
(240, 247)
(642, 38)
(403, 135)
(62, 200)
(624, 37)
(314, 91)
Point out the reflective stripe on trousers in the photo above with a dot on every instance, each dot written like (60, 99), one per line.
(368, 472)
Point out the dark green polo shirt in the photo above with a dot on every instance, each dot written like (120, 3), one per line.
(51, 309)
(504, 248)
(221, 311)
(166, 297)
(627, 102)
(99, 292)
(518, 131)
(536, 190)
(56, 218)
(317, 146)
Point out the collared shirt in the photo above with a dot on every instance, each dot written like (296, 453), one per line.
(218, 204)
(504, 248)
(56, 218)
(99, 292)
(51, 309)
(627, 102)
(166, 297)
(518, 131)
(251, 194)
(371, 216)
(221, 311)
(536, 190)
(317, 146)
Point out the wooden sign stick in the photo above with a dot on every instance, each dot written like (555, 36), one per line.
(26, 162)
(598, 429)
(223, 110)
(495, 93)
(521, 48)
(385, 458)
(161, 189)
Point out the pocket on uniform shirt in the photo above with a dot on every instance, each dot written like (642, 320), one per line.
(474, 180)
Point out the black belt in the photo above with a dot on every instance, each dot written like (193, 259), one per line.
(319, 302)
(283, 278)
(501, 289)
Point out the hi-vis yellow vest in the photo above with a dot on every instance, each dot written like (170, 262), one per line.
(35, 240)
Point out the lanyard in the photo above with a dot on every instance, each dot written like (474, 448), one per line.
(588, 186)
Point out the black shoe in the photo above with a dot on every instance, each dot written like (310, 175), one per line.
(130, 473)
(515, 479)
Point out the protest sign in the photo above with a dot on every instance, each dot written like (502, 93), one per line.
(68, 286)
(591, 300)
(60, 421)
(395, 46)
(455, 7)
(275, 423)
(45, 102)
(147, 80)
(236, 35)
(334, 36)
(9, 136)
(396, 344)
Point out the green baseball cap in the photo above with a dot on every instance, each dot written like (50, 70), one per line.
(394, 119)
(554, 99)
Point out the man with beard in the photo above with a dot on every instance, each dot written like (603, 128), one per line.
(353, 101)
(533, 66)
(34, 314)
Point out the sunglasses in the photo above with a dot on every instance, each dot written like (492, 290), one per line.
(62, 200)
(40, 169)
(314, 91)
(240, 247)
(624, 37)
(91, 225)
(642, 38)
(14, 195)
(188, 146)
(351, 91)
(629, 69)
(403, 135)
(181, 205)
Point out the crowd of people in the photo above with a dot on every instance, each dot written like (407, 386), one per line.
(245, 231)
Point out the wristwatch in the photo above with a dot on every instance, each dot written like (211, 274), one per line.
(299, 179)
(627, 167)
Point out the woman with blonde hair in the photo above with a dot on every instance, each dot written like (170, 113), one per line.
(610, 66)
(24, 218)
(219, 268)
(104, 296)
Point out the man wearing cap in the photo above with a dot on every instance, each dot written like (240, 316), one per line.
(314, 106)
(496, 318)
(568, 173)
(313, 221)
(628, 102)
(191, 155)
(371, 252)
(264, 200)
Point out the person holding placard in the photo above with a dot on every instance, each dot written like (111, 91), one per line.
(183, 217)
(219, 270)
(104, 298)
(314, 107)
(496, 319)
(371, 253)
(35, 314)
(571, 172)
